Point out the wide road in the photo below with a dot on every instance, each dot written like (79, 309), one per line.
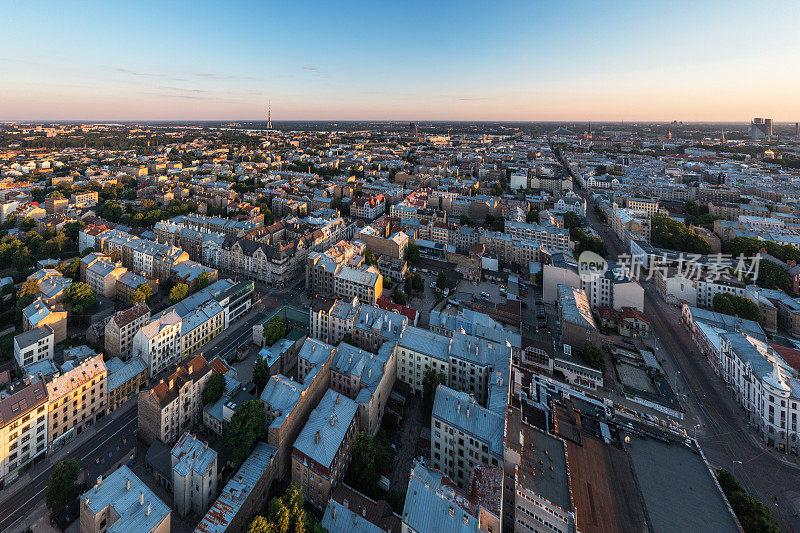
(30, 495)
(723, 435)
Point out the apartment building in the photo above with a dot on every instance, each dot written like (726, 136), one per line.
(648, 205)
(174, 405)
(365, 378)
(628, 221)
(434, 503)
(537, 493)
(39, 314)
(102, 276)
(34, 345)
(708, 288)
(314, 357)
(200, 326)
(366, 284)
(321, 453)
(123, 502)
(23, 426)
(194, 475)
(125, 379)
(77, 399)
(158, 343)
(331, 320)
(287, 405)
(83, 198)
(464, 435)
(578, 327)
(374, 326)
(552, 238)
(417, 350)
(368, 208)
(122, 327)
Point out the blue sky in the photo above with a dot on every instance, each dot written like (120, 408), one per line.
(527, 60)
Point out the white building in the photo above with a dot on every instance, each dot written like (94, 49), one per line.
(34, 345)
(194, 475)
(158, 343)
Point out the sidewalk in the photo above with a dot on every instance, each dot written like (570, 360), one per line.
(63, 453)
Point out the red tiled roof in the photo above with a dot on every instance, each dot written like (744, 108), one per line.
(388, 305)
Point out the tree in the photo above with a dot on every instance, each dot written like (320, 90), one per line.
(285, 514)
(61, 485)
(430, 381)
(369, 461)
(594, 356)
(441, 281)
(532, 217)
(178, 293)
(87, 251)
(214, 388)
(734, 305)
(70, 269)
(412, 253)
(81, 296)
(754, 516)
(369, 258)
(27, 293)
(773, 276)
(399, 297)
(571, 220)
(261, 373)
(27, 224)
(497, 189)
(348, 339)
(142, 293)
(464, 220)
(673, 235)
(202, 280)
(244, 431)
(274, 331)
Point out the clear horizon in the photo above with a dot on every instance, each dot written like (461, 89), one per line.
(361, 61)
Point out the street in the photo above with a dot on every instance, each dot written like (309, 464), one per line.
(723, 435)
(101, 449)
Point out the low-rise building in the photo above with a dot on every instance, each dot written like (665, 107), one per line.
(39, 313)
(578, 327)
(34, 345)
(194, 475)
(123, 502)
(158, 343)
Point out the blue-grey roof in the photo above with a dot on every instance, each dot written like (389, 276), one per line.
(727, 322)
(461, 410)
(388, 324)
(190, 453)
(133, 516)
(368, 367)
(340, 519)
(315, 351)
(426, 342)
(281, 394)
(429, 504)
(120, 373)
(331, 420)
(237, 490)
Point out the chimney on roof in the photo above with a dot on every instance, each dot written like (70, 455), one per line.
(127, 484)
(317, 437)
(147, 512)
(141, 498)
(99, 480)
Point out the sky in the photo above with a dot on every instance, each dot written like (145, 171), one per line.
(534, 60)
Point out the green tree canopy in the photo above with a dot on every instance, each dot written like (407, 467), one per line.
(594, 356)
(81, 296)
(261, 373)
(178, 293)
(441, 281)
(369, 461)
(735, 305)
(61, 485)
(202, 280)
(245, 430)
(142, 293)
(399, 297)
(754, 516)
(673, 235)
(274, 331)
(430, 381)
(412, 253)
(214, 388)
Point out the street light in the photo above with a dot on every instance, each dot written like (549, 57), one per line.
(733, 468)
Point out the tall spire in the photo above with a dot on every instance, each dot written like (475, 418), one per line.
(269, 115)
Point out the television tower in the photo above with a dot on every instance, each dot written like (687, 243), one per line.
(269, 117)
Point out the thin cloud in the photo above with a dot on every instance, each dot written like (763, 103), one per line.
(135, 72)
(310, 68)
(183, 89)
(212, 76)
(471, 99)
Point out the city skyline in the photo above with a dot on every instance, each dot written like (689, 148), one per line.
(358, 61)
